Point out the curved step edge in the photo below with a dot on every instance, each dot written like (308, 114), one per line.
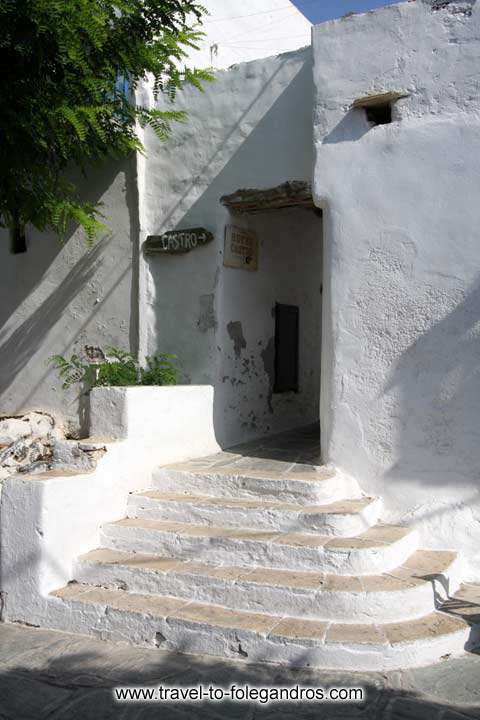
(316, 485)
(407, 593)
(380, 549)
(344, 518)
(194, 628)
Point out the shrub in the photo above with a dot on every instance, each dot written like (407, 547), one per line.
(118, 368)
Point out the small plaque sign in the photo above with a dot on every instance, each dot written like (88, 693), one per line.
(177, 242)
(241, 248)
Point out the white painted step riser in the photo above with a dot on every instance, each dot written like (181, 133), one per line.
(246, 553)
(360, 607)
(237, 644)
(344, 525)
(243, 486)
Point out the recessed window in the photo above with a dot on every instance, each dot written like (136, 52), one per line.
(379, 114)
(378, 108)
(18, 241)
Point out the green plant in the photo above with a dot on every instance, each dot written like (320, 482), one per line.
(160, 370)
(118, 369)
(73, 371)
(68, 74)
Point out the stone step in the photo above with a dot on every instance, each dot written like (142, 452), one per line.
(344, 517)
(284, 482)
(465, 604)
(196, 628)
(410, 591)
(379, 549)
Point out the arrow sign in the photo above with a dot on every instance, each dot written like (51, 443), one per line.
(177, 242)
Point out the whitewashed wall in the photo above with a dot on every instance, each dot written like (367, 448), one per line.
(55, 298)
(401, 383)
(238, 32)
(252, 127)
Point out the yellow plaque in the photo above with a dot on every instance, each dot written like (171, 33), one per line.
(241, 248)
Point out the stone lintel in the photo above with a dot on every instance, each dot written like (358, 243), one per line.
(295, 193)
(379, 99)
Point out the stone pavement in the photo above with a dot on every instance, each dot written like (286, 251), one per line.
(290, 451)
(46, 674)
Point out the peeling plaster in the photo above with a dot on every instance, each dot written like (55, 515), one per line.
(235, 332)
(268, 357)
(207, 319)
(202, 160)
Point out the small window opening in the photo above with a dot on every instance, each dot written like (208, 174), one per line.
(286, 348)
(378, 108)
(18, 241)
(379, 114)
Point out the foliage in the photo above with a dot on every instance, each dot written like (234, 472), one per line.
(63, 71)
(118, 369)
(160, 370)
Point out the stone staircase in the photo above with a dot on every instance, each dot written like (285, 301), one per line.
(261, 554)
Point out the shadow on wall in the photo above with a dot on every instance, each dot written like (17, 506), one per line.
(351, 128)
(18, 348)
(43, 248)
(50, 288)
(437, 380)
(279, 147)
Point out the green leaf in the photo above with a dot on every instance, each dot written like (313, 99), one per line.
(120, 369)
(61, 65)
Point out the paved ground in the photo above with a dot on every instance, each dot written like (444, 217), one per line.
(46, 674)
(291, 451)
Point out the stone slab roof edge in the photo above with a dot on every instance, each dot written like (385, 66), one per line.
(293, 193)
(379, 98)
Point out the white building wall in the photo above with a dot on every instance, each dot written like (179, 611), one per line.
(401, 388)
(57, 297)
(252, 127)
(238, 32)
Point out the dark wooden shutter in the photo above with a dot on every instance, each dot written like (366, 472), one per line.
(286, 348)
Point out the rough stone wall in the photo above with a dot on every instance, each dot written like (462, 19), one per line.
(401, 390)
(252, 127)
(56, 298)
(33, 444)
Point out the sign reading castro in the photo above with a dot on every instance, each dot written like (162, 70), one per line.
(177, 242)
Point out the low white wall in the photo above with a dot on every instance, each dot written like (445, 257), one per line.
(401, 395)
(58, 297)
(169, 423)
(46, 521)
(252, 127)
